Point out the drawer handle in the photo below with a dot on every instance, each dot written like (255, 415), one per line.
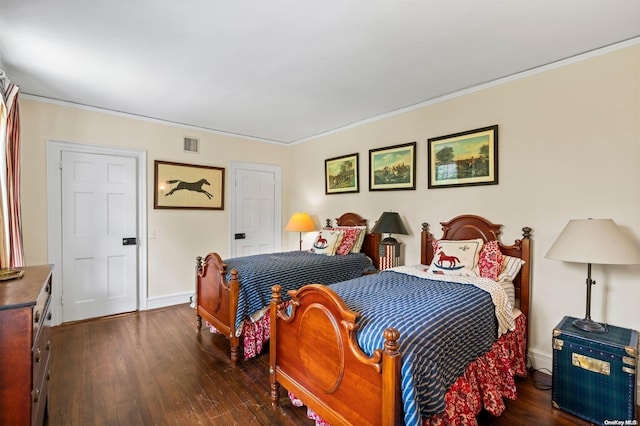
(48, 346)
(36, 317)
(46, 288)
(49, 316)
(48, 375)
(38, 355)
(36, 395)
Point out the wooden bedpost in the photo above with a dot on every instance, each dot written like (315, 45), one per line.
(525, 277)
(198, 272)
(426, 254)
(276, 299)
(234, 285)
(391, 379)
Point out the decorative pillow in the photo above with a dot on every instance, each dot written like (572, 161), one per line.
(349, 237)
(456, 257)
(490, 263)
(357, 245)
(510, 268)
(327, 242)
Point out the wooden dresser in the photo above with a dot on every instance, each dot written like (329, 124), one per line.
(25, 347)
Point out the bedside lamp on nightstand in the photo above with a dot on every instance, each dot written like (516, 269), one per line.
(300, 222)
(389, 223)
(590, 241)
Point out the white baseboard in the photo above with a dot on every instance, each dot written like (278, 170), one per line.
(545, 362)
(540, 361)
(170, 300)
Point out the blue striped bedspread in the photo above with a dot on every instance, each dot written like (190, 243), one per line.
(258, 273)
(443, 326)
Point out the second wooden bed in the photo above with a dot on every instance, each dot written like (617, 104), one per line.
(343, 385)
(218, 293)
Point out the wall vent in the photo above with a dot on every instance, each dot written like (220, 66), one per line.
(191, 144)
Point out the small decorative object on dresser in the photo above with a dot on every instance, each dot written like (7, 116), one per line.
(594, 375)
(389, 223)
(25, 346)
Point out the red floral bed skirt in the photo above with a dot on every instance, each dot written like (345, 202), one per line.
(484, 384)
(254, 335)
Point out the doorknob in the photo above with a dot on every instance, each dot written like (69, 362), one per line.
(239, 236)
(132, 241)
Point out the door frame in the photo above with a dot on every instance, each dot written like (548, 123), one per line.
(54, 215)
(277, 211)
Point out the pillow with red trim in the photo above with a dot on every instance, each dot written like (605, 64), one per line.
(349, 238)
(327, 242)
(490, 262)
(456, 257)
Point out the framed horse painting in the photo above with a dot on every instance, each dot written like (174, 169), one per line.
(188, 186)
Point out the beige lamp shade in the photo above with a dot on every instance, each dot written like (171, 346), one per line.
(300, 222)
(598, 241)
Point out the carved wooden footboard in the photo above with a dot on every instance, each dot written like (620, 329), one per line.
(217, 300)
(314, 354)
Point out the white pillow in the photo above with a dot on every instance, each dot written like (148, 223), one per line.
(327, 242)
(456, 257)
(510, 268)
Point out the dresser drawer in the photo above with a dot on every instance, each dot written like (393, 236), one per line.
(25, 307)
(39, 308)
(42, 348)
(40, 395)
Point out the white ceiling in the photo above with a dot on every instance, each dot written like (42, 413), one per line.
(287, 70)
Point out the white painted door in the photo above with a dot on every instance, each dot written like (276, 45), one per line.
(98, 213)
(256, 227)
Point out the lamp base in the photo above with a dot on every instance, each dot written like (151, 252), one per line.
(587, 324)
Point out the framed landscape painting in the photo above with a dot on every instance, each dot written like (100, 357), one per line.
(464, 159)
(188, 186)
(341, 174)
(392, 167)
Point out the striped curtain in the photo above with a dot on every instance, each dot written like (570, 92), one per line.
(11, 252)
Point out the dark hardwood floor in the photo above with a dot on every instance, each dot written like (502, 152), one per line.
(153, 368)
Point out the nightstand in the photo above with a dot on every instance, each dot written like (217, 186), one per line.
(594, 374)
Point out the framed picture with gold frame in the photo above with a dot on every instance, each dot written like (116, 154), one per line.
(341, 174)
(188, 186)
(392, 167)
(464, 159)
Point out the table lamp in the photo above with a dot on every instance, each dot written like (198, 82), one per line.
(300, 222)
(589, 241)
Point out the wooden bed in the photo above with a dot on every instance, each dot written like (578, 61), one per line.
(341, 383)
(217, 299)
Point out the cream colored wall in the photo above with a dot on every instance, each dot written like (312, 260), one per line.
(180, 235)
(569, 147)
